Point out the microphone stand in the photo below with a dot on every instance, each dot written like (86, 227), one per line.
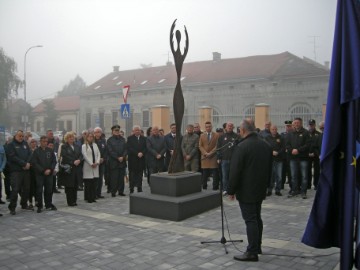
(223, 240)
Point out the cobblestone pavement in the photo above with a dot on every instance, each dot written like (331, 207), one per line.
(103, 235)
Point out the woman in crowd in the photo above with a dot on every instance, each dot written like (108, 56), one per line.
(71, 155)
(91, 154)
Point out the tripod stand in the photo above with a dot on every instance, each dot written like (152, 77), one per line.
(223, 240)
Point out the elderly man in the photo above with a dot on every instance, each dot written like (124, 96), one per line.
(155, 145)
(101, 144)
(19, 156)
(136, 147)
(250, 171)
(190, 149)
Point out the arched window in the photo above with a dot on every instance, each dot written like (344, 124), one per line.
(249, 112)
(301, 110)
(216, 118)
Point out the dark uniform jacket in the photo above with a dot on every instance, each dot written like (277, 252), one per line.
(316, 140)
(17, 154)
(116, 147)
(299, 140)
(229, 139)
(135, 146)
(101, 144)
(250, 169)
(43, 159)
(277, 144)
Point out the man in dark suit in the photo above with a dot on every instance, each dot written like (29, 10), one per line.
(170, 143)
(250, 171)
(136, 148)
(155, 145)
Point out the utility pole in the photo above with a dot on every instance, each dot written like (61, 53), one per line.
(314, 43)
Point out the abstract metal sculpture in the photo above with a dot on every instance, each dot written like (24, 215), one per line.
(177, 161)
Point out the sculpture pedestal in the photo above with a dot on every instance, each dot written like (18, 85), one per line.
(174, 197)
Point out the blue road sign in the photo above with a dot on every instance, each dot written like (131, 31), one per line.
(125, 111)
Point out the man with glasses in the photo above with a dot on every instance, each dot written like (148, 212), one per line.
(44, 162)
(19, 155)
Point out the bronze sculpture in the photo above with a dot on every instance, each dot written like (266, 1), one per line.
(177, 161)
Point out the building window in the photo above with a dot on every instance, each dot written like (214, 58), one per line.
(88, 120)
(301, 110)
(101, 119)
(249, 112)
(61, 125)
(69, 126)
(146, 118)
(216, 118)
(115, 115)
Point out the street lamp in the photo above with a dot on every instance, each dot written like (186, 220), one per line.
(25, 116)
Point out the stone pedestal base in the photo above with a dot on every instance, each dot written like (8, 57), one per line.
(174, 197)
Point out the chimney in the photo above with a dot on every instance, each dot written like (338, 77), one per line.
(116, 68)
(216, 56)
(327, 64)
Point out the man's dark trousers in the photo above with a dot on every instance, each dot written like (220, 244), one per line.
(251, 213)
(44, 183)
(20, 182)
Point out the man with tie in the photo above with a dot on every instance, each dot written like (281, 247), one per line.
(207, 146)
(136, 147)
(170, 143)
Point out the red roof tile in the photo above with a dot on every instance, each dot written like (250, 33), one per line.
(69, 103)
(260, 66)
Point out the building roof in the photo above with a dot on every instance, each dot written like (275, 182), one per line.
(224, 70)
(67, 103)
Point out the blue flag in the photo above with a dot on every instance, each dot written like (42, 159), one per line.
(332, 218)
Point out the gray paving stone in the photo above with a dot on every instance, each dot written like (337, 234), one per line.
(105, 236)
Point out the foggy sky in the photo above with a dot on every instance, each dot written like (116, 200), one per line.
(88, 37)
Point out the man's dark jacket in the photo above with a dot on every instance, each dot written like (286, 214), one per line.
(250, 169)
(277, 144)
(300, 140)
(225, 145)
(116, 147)
(135, 146)
(43, 159)
(18, 154)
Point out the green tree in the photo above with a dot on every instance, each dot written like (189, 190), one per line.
(73, 87)
(9, 83)
(51, 114)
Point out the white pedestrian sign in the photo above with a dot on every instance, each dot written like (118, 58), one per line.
(125, 111)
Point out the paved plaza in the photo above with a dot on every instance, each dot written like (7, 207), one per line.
(103, 235)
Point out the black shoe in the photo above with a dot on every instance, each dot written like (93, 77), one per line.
(80, 189)
(269, 193)
(139, 190)
(122, 194)
(278, 193)
(108, 191)
(113, 195)
(303, 195)
(292, 194)
(205, 188)
(52, 208)
(247, 257)
(26, 207)
(2, 202)
(39, 210)
(100, 197)
(12, 211)
(56, 191)
(1, 215)
(215, 188)
(131, 191)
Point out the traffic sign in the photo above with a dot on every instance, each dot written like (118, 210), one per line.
(125, 111)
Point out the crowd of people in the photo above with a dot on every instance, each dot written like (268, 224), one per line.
(247, 165)
(35, 170)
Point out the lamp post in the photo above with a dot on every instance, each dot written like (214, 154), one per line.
(25, 118)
